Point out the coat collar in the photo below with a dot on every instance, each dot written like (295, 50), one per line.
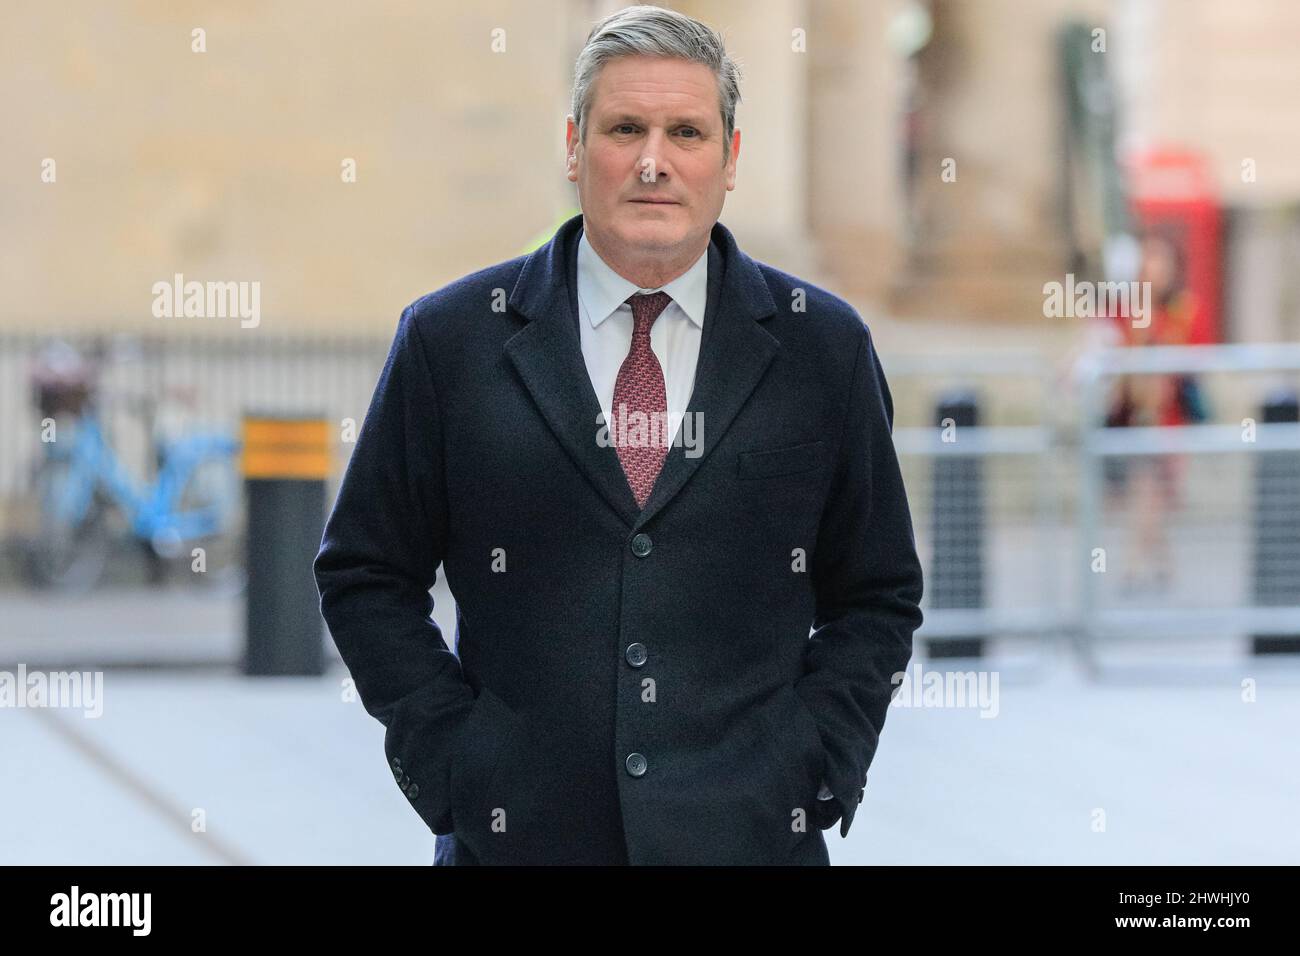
(735, 351)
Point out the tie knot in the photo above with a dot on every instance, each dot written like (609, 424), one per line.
(646, 307)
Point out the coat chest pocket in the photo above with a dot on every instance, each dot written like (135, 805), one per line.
(774, 462)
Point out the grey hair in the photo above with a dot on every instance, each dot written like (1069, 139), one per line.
(653, 31)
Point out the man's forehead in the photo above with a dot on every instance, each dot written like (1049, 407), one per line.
(639, 105)
(621, 113)
(635, 87)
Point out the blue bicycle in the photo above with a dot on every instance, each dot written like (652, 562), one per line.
(80, 480)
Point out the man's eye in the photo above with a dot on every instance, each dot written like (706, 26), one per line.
(693, 130)
(624, 126)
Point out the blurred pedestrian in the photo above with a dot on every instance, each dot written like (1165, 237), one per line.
(1149, 486)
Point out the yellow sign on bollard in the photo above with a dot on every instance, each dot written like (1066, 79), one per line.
(286, 448)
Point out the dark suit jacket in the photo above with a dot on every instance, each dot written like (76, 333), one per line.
(480, 451)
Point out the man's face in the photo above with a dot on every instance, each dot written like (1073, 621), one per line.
(651, 178)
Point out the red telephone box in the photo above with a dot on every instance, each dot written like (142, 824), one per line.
(1173, 193)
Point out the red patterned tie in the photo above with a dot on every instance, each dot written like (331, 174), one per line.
(641, 442)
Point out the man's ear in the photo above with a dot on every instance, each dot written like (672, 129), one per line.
(571, 145)
(731, 159)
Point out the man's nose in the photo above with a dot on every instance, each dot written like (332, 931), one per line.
(652, 163)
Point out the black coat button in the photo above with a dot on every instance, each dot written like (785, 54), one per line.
(397, 774)
(635, 654)
(414, 791)
(641, 544)
(636, 764)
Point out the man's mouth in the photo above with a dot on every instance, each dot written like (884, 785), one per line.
(655, 202)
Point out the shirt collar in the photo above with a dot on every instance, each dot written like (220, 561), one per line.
(602, 290)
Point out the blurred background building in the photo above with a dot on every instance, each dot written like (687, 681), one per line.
(228, 163)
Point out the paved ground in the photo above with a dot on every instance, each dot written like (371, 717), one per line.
(285, 771)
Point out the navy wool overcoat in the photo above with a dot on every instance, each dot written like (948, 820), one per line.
(661, 685)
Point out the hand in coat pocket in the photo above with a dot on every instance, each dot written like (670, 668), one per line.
(479, 746)
(797, 743)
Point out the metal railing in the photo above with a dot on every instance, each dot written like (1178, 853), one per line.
(1227, 497)
(987, 493)
(1033, 534)
(1014, 482)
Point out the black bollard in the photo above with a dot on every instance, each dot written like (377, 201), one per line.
(285, 460)
(956, 577)
(1277, 526)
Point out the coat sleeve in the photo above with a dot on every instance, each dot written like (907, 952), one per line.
(867, 585)
(378, 560)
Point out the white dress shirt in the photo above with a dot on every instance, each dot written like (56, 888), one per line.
(605, 324)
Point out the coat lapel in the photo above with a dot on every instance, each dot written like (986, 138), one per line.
(735, 351)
